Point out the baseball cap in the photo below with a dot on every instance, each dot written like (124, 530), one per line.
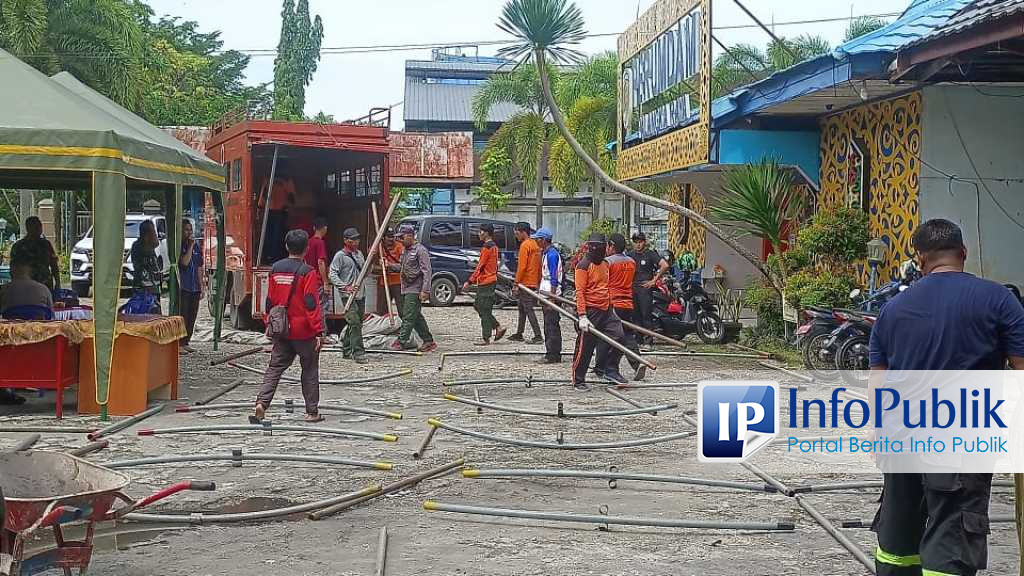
(544, 233)
(489, 228)
(350, 234)
(406, 229)
(639, 236)
(597, 238)
(618, 240)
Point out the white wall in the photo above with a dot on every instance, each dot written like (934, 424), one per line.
(991, 125)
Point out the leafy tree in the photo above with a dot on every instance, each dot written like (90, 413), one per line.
(101, 42)
(742, 64)
(298, 52)
(862, 25)
(323, 118)
(496, 168)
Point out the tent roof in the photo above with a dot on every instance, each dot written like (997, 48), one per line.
(61, 124)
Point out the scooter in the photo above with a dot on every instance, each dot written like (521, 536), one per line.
(686, 308)
(852, 342)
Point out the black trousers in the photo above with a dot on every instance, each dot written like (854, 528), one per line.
(607, 322)
(643, 304)
(526, 312)
(188, 304)
(934, 522)
(629, 340)
(552, 335)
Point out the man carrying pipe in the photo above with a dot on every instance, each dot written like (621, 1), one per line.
(621, 269)
(345, 269)
(550, 285)
(594, 306)
(486, 279)
(414, 269)
(528, 274)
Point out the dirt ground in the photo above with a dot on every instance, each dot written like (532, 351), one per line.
(423, 542)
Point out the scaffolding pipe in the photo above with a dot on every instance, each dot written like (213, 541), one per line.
(118, 426)
(90, 448)
(837, 534)
(519, 352)
(236, 356)
(238, 457)
(376, 351)
(787, 371)
(561, 446)
(769, 479)
(289, 406)
(528, 381)
(837, 487)
(25, 444)
(602, 519)
(393, 487)
(382, 550)
(218, 393)
(764, 354)
(425, 443)
(630, 325)
(610, 475)
(266, 210)
(560, 413)
(201, 518)
(379, 378)
(600, 335)
(270, 429)
(46, 429)
(383, 270)
(371, 253)
(861, 523)
(627, 399)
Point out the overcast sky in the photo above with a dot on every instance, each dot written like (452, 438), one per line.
(348, 85)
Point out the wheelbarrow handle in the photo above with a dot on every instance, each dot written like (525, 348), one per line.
(169, 491)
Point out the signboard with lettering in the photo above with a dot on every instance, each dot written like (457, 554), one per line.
(665, 89)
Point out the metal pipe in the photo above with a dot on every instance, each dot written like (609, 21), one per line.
(25, 444)
(641, 386)
(236, 356)
(325, 407)
(266, 209)
(393, 487)
(382, 546)
(372, 252)
(383, 270)
(561, 414)
(630, 325)
(600, 335)
(118, 426)
(218, 393)
(269, 428)
(425, 443)
(602, 519)
(781, 487)
(47, 429)
(201, 518)
(446, 355)
(376, 351)
(379, 378)
(764, 354)
(837, 534)
(609, 475)
(527, 381)
(90, 448)
(837, 487)
(238, 456)
(561, 446)
(627, 399)
(786, 371)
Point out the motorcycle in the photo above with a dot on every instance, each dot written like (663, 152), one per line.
(686, 308)
(852, 342)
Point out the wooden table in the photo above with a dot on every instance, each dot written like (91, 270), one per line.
(48, 365)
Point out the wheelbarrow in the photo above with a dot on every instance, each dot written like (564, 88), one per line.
(53, 489)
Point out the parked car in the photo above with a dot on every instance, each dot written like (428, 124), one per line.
(454, 246)
(81, 254)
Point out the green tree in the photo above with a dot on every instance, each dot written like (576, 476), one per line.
(546, 29)
(298, 52)
(526, 137)
(743, 64)
(495, 169)
(862, 25)
(101, 42)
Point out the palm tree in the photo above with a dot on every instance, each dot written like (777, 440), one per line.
(526, 136)
(547, 29)
(99, 41)
(862, 25)
(742, 64)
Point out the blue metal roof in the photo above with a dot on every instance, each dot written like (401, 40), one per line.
(920, 18)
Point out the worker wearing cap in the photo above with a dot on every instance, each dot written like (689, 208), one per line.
(594, 307)
(486, 279)
(550, 284)
(345, 270)
(527, 274)
(650, 266)
(392, 250)
(621, 270)
(415, 271)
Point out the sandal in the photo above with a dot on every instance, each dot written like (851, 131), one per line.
(258, 414)
(314, 418)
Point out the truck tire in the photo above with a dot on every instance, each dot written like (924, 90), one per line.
(442, 292)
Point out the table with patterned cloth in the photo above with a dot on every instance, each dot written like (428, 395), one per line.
(76, 313)
(41, 355)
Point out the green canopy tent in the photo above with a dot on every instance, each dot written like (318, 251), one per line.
(58, 134)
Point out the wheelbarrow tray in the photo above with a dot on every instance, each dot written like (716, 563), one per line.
(36, 481)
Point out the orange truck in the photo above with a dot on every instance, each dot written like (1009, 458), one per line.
(331, 170)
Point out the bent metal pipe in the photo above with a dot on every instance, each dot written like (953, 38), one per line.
(561, 446)
(269, 428)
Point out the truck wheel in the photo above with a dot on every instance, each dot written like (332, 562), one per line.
(81, 289)
(241, 316)
(442, 292)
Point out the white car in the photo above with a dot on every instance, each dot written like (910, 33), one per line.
(81, 254)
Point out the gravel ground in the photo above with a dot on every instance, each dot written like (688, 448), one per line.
(441, 543)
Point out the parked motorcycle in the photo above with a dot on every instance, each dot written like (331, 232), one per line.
(852, 342)
(683, 308)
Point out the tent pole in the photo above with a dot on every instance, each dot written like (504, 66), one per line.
(218, 275)
(174, 249)
(266, 207)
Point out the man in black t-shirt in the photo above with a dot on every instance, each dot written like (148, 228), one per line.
(650, 266)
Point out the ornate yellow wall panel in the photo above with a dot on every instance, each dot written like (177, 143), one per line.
(683, 235)
(891, 133)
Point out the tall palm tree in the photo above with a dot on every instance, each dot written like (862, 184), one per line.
(862, 25)
(527, 136)
(548, 29)
(742, 64)
(99, 41)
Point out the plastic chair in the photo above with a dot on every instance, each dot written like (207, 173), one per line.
(139, 303)
(28, 312)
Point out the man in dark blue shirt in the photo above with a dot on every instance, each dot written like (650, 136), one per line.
(936, 524)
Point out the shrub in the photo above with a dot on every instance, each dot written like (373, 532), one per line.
(765, 302)
(819, 288)
(836, 237)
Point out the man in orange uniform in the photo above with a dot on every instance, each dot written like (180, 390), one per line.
(486, 279)
(621, 270)
(527, 274)
(392, 250)
(594, 306)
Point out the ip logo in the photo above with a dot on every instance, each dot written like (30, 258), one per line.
(735, 419)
